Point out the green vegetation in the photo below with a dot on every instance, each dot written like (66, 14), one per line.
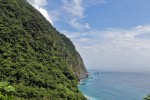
(6, 91)
(40, 62)
(147, 98)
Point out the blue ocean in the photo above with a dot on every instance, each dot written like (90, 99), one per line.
(116, 85)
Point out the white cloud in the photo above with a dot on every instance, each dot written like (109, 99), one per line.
(115, 49)
(72, 12)
(123, 41)
(39, 5)
(78, 25)
(75, 12)
(74, 8)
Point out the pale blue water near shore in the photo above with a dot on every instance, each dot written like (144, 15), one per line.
(116, 85)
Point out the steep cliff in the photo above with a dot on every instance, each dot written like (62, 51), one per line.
(40, 62)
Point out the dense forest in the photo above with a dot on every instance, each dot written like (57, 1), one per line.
(35, 59)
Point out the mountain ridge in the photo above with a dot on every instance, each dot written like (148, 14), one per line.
(39, 61)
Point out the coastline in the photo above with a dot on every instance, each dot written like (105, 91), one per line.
(83, 82)
(88, 98)
(80, 83)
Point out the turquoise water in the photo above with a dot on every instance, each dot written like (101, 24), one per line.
(116, 85)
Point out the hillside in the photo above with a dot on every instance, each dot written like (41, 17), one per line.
(40, 62)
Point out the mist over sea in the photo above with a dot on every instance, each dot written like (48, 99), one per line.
(116, 85)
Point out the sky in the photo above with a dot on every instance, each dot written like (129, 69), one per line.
(110, 35)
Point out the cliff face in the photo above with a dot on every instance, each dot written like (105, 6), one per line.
(34, 57)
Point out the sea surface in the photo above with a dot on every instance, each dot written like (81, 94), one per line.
(116, 85)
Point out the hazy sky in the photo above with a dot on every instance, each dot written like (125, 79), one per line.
(110, 35)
